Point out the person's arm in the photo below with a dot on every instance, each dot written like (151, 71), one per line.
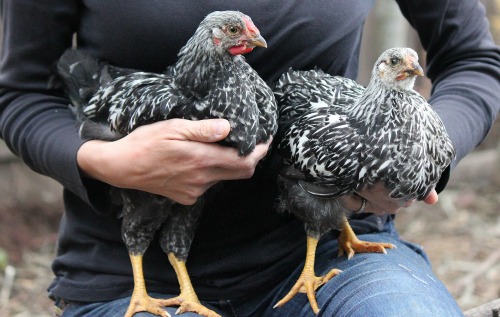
(35, 121)
(463, 63)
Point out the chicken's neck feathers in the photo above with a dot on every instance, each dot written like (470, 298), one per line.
(197, 60)
(377, 106)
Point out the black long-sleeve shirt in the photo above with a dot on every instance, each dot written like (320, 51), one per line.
(242, 243)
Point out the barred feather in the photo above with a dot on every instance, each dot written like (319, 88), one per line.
(338, 138)
(341, 133)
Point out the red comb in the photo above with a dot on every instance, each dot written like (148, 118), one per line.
(250, 26)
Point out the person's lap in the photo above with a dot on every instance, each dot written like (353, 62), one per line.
(399, 283)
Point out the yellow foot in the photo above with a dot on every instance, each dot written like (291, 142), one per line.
(308, 283)
(350, 244)
(193, 306)
(147, 304)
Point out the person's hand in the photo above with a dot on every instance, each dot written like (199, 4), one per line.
(174, 158)
(379, 202)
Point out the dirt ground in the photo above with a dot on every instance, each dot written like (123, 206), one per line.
(461, 235)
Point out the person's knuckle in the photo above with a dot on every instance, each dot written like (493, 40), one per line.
(198, 182)
(247, 168)
(188, 199)
(173, 124)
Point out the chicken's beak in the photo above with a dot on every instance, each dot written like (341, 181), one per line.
(415, 69)
(257, 40)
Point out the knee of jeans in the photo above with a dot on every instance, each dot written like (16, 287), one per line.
(171, 311)
(382, 288)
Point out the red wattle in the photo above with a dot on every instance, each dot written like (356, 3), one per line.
(240, 50)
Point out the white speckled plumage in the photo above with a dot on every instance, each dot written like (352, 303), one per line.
(356, 137)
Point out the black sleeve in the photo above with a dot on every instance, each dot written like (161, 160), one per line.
(35, 121)
(463, 63)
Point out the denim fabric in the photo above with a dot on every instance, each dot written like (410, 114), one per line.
(399, 283)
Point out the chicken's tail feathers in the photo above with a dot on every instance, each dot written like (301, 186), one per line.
(81, 75)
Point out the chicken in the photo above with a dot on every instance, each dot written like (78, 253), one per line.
(338, 138)
(210, 79)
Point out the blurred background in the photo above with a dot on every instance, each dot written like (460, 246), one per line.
(461, 234)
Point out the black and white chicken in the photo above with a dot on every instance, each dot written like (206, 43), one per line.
(210, 79)
(338, 138)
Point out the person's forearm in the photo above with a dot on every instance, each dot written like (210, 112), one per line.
(41, 130)
(463, 63)
(467, 107)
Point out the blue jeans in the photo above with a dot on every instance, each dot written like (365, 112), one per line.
(399, 283)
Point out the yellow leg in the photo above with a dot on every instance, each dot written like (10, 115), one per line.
(350, 244)
(308, 282)
(141, 302)
(187, 299)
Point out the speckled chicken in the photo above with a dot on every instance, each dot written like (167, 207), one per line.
(338, 138)
(210, 79)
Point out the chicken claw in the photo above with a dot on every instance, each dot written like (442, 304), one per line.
(190, 305)
(144, 303)
(141, 301)
(308, 282)
(350, 244)
(187, 300)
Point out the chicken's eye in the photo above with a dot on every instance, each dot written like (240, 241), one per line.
(394, 61)
(232, 30)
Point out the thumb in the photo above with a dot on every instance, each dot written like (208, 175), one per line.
(208, 130)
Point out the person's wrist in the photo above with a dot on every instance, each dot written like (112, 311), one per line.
(90, 159)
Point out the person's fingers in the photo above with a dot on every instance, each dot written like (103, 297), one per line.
(354, 203)
(432, 198)
(225, 164)
(406, 203)
(209, 130)
(190, 197)
(379, 202)
(261, 149)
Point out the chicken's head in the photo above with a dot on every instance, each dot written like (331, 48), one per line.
(397, 68)
(233, 32)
